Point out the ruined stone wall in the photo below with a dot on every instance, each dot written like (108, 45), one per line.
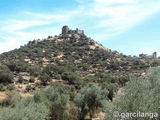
(66, 30)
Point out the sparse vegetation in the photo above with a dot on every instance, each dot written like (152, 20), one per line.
(73, 77)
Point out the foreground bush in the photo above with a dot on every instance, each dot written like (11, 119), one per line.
(62, 108)
(140, 95)
(25, 109)
(91, 100)
(56, 103)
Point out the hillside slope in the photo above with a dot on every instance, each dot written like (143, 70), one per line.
(70, 65)
(83, 52)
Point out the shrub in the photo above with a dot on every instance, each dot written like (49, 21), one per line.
(2, 87)
(58, 77)
(59, 104)
(35, 70)
(111, 87)
(32, 79)
(61, 108)
(18, 66)
(140, 94)
(12, 98)
(25, 109)
(91, 100)
(28, 88)
(5, 74)
(10, 87)
(20, 79)
(45, 78)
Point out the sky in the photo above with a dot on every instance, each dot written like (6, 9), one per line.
(130, 27)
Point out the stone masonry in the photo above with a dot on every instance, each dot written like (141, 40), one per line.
(66, 30)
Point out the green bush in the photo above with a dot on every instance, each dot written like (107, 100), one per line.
(58, 77)
(2, 87)
(91, 100)
(28, 88)
(61, 108)
(45, 78)
(25, 109)
(140, 94)
(59, 105)
(12, 98)
(20, 79)
(10, 87)
(18, 66)
(32, 79)
(35, 70)
(111, 87)
(5, 74)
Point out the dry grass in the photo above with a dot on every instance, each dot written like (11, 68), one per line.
(2, 95)
(24, 95)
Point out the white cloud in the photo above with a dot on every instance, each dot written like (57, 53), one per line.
(23, 24)
(26, 26)
(114, 17)
(117, 16)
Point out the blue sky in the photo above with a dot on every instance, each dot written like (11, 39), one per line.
(127, 26)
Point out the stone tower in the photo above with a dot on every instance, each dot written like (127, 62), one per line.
(65, 29)
(155, 55)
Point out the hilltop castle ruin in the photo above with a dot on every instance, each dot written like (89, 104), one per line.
(66, 30)
(153, 56)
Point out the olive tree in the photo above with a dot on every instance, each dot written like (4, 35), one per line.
(91, 100)
(140, 94)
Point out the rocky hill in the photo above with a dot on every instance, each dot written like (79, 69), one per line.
(64, 54)
(72, 60)
(77, 49)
